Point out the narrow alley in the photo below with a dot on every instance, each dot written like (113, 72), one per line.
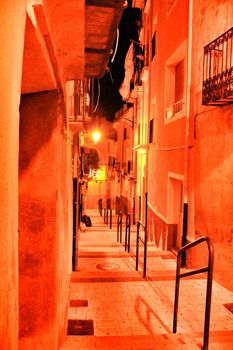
(116, 308)
(116, 163)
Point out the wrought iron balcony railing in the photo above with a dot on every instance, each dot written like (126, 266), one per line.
(218, 71)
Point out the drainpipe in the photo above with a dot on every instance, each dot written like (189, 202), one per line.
(186, 151)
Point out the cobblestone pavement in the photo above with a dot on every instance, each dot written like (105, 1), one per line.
(130, 312)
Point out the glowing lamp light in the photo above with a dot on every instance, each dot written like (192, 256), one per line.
(96, 136)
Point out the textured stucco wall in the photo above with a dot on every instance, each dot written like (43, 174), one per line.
(211, 157)
(166, 154)
(12, 26)
(43, 280)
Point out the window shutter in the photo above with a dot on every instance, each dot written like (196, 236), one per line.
(179, 81)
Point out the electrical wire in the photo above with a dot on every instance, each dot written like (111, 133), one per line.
(108, 71)
(98, 98)
(116, 47)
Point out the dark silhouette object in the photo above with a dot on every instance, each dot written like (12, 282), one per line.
(87, 220)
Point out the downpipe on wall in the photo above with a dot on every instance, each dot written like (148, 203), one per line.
(186, 151)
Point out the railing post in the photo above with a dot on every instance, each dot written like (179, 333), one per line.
(208, 293)
(145, 242)
(129, 233)
(140, 207)
(119, 227)
(176, 302)
(106, 216)
(209, 270)
(134, 208)
(110, 218)
(100, 207)
(126, 233)
(145, 254)
(137, 245)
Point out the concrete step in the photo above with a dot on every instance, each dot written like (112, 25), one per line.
(137, 342)
(218, 340)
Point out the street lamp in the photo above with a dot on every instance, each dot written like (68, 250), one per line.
(96, 135)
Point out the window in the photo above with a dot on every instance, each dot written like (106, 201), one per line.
(125, 134)
(129, 167)
(175, 89)
(151, 130)
(179, 87)
(175, 83)
(153, 46)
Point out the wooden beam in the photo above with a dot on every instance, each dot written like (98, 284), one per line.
(93, 50)
(105, 3)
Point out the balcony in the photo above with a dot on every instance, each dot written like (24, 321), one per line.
(78, 104)
(218, 71)
(174, 109)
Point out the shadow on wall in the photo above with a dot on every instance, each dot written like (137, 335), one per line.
(38, 119)
(157, 231)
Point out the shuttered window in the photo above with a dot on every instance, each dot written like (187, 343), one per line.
(179, 81)
(151, 131)
(153, 46)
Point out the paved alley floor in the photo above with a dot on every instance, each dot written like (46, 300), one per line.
(127, 311)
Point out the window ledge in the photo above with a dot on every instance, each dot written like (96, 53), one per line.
(175, 117)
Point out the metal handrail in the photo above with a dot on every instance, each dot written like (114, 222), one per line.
(208, 269)
(110, 217)
(127, 233)
(100, 206)
(119, 227)
(143, 240)
(106, 216)
(134, 208)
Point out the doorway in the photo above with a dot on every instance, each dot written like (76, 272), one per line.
(175, 208)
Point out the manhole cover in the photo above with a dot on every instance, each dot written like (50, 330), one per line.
(108, 266)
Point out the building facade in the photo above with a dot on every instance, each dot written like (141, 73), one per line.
(183, 102)
(50, 52)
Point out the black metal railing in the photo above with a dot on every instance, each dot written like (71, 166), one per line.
(119, 227)
(139, 206)
(100, 204)
(142, 227)
(209, 270)
(110, 218)
(106, 216)
(218, 71)
(127, 233)
(134, 210)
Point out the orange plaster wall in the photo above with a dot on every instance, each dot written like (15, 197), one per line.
(43, 281)
(171, 31)
(212, 156)
(12, 26)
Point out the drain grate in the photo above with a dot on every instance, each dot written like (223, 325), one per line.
(108, 266)
(79, 303)
(80, 327)
(229, 307)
